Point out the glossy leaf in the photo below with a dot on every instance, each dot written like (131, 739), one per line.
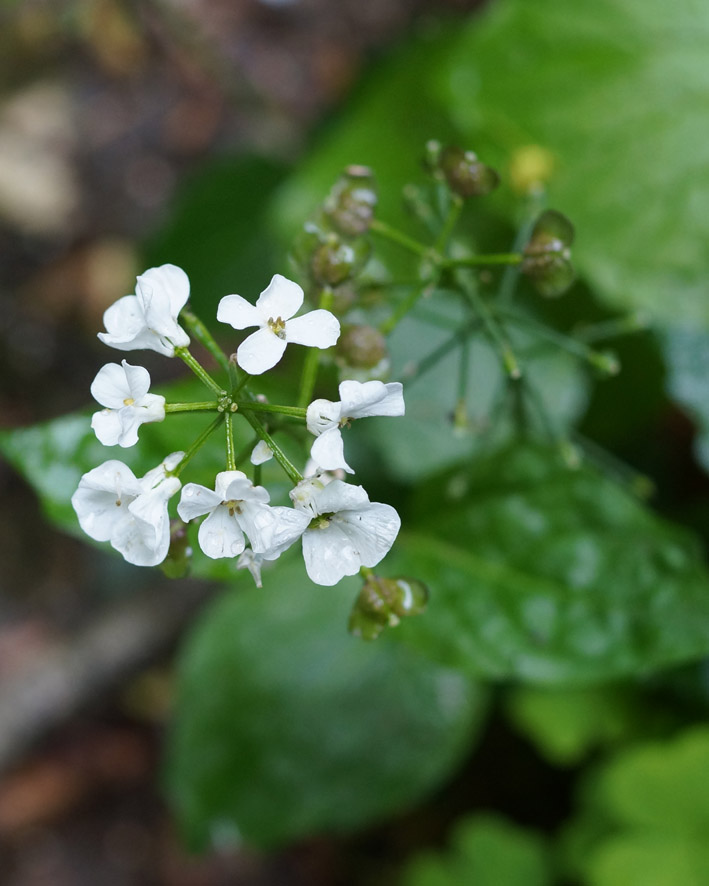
(546, 574)
(286, 726)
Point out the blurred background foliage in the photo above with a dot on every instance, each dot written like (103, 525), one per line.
(543, 722)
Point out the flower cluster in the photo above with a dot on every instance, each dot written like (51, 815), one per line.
(342, 532)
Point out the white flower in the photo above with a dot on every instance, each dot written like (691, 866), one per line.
(123, 390)
(262, 453)
(357, 400)
(113, 505)
(236, 507)
(148, 319)
(272, 313)
(346, 530)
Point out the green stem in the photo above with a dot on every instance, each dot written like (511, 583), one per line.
(474, 261)
(199, 371)
(256, 406)
(230, 455)
(405, 305)
(612, 328)
(396, 236)
(450, 223)
(196, 446)
(204, 406)
(280, 456)
(312, 359)
(204, 336)
(431, 359)
(480, 307)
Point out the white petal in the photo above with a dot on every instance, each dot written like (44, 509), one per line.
(150, 510)
(224, 479)
(304, 495)
(252, 562)
(372, 530)
(318, 329)
(261, 453)
(137, 380)
(156, 476)
(127, 329)
(142, 544)
(371, 398)
(239, 313)
(110, 388)
(328, 451)
(339, 496)
(329, 555)
(322, 415)
(289, 526)
(258, 522)
(170, 281)
(281, 298)
(107, 426)
(154, 290)
(260, 351)
(244, 490)
(220, 535)
(197, 500)
(102, 498)
(151, 407)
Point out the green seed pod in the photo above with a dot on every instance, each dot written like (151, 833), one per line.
(465, 174)
(547, 256)
(383, 602)
(335, 261)
(361, 347)
(351, 203)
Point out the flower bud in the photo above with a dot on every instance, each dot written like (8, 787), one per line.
(351, 202)
(361, 347)
(335, 261)
(179, 554)
(383, 602)
(547, 256)
(465, 174)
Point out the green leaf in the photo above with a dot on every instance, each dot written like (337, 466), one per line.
(552, 575)
(687, 354)
(287, 726)
(615, 90)
(654, 799)
(486, 850)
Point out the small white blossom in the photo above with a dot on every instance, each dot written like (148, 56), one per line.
(272, 313)
(148, 319)
(114, 506)
(357, 400)
(235, 508)
(346, 530)
(262, 453)
(123, 390)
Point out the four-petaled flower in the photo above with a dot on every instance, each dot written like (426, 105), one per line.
(272, 313)
(236, 507)
(148, 319)
(123, 390)
(357, 400)
(113, 505)
(346, 530)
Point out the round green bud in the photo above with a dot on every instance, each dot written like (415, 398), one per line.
(383, 602)
(547, 255)
(465, 174)
(361, 347)
(351, 203)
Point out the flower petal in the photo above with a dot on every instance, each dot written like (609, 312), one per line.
(321, 415)
(328, 451)
(317, 329)
(102, 498)
(260, 351)
(329, 555)
(137, 380)
(197, 500)
(372, 530)
(289, 526)
(239, 313)
(340, 496)
(360, 400)
(107, 426)
(111, 387)
(170, 281)
(220, 535)
(281, 298)
(261, 453)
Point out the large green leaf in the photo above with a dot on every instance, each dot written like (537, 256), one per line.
(287, 726)
(616, 91)
(546, 574)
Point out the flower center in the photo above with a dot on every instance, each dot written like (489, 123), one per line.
(322, 521)
(277, 326)
(233, 506)
(129, 401)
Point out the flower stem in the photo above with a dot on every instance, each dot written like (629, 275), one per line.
(199, 371)
(406, 304)
(611, 328)
(204, 336)
(312, 359)
(450, 223)
(396, 236)
(256, 406)
(196, 446)
(495, 331)
(474, 261)
(204, 406)
(230, 455)
(280, 456)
